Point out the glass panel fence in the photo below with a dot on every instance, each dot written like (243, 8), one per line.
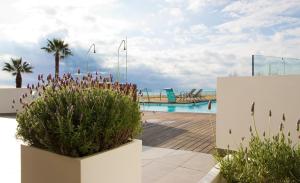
(268, 65)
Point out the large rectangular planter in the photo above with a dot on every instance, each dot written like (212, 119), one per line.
(213, 176)
(122, 164)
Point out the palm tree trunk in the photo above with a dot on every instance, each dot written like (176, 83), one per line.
(18, 80)
(56, 64)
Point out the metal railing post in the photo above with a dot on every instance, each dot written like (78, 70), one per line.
(284, 67)
(252, 65)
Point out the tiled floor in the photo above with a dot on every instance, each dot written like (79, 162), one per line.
(174, 166)
(159, 165)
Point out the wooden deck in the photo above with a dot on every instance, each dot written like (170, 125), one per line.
(184, 131)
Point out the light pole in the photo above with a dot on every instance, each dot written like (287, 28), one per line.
(126, 58)
(87, 62)
(125, 48)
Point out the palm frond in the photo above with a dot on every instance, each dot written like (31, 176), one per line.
(16, 66)
(17, 62)
(26, 68)
(47, 49)
(58, 46)
(9, 67)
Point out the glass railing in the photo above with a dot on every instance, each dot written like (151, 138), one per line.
(269, 66)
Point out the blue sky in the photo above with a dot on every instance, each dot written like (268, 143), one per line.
(171, 43)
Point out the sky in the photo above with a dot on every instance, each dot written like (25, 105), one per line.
(171, 43)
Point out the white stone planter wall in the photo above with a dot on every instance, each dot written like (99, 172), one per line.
(213, 176)
(122, 164)
(6, 97)
(235, 95)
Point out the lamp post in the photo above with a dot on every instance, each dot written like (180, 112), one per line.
(123, 42)
(94, 51)
(126, 58)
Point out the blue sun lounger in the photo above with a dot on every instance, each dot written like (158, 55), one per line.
(170, 95)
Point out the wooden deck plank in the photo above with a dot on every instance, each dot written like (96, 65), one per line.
(199, 140)
(161, 132)
(202, 138)
(184, 131)
(195, 131)
(196, 136)
(181, 138)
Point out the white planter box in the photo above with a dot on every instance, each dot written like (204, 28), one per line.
(213, 176)
(122, 164)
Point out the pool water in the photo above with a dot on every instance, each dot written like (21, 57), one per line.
(200, 107)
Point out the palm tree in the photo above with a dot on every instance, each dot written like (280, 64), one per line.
(60, 50)
(16, 67)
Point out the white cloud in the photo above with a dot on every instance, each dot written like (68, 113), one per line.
(196, 5)
(258, 14)
(199, 28)
(175, 40)
(176, 12)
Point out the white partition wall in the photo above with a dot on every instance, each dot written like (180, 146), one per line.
(6, 97)
(235, 95)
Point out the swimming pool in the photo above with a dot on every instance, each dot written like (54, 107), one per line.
(200, 107)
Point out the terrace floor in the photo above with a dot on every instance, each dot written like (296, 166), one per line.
(161, 165)
(179, 131)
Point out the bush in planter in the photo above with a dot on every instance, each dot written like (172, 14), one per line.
(77, 117)
(273, 159)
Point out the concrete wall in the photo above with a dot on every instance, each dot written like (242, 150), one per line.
(6, 97)
(235, 95)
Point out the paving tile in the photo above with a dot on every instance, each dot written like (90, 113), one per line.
(146, 162)
(182, 175)
(177, 157)
(155, 153)
(145, 148)
(154, 171)
(202, 162)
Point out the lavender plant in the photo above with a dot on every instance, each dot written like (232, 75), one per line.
(265, 160)
(78, 117)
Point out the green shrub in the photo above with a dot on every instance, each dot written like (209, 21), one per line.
(268, 160)
(79, 118)
(265, 160)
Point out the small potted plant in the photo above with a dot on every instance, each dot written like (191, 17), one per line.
(80, 131)
(265, 159)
